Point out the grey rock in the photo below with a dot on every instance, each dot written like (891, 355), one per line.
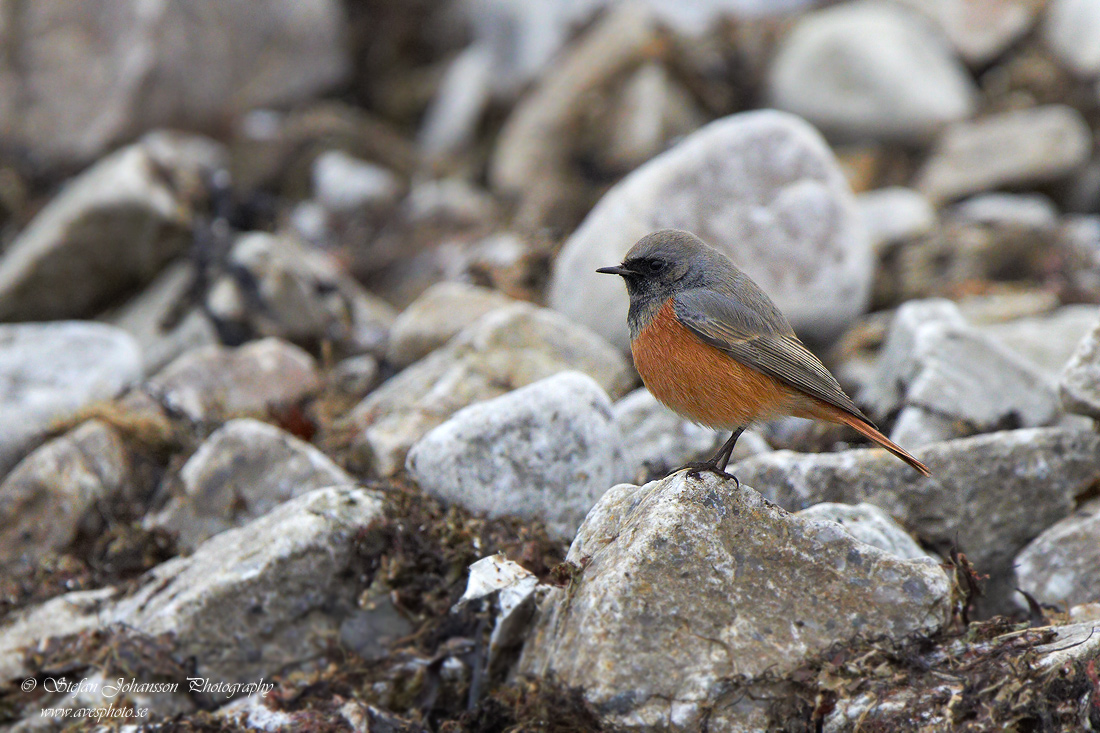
(979, 30)
(132, 67)
(343, 183)
(867, 523)
(448, 199)
(436, 316)
(1020, 210)
(50, 495)
(242, 471)
(689, 583)
(1062, 565)
(1046, 341)
(532, 154)
(356, 375)
(891, 215)
(219, 603)
(146, 318)
(949, 380)
(58, 617)
(1080, 383)
(870, 69)
(298, 294)
(658, 440)
(651, 110)
(1024, 146)
(49, 372)
(992, 494)
(121, 219)
(514, 591)
(1072, 31)
(215, 383)
(506, 348)
(885, 393)
(450, 122)
(762, 187)
(548, 451)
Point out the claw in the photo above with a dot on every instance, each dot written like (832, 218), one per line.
(696, 469)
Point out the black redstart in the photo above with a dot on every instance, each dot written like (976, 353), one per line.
(710, 344)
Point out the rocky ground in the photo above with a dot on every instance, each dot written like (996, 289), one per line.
(309, 390)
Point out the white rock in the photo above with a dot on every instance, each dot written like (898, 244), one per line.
(49, 372)
(989, 495)
(1009, 148)
(253, 600)
(978, 29)
(870, 69)
(894, 214)
(760, 186)
(651, 110)
(451, 119)
(1080, 382)
(343, 183)
(1019, 210)
(65, 615)
(506, 348)
(48, 496)
(436, 316)
(242, 471)
(1072, 30)
(1046, 341)
(215, 383)
(950, 380)
(867, 523)
(548, 450)
(1062, 565)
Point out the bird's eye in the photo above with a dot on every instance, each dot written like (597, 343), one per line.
(655, 267)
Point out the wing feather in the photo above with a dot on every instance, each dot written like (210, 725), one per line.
(757, 342)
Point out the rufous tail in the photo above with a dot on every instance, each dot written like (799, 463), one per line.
(869, 431)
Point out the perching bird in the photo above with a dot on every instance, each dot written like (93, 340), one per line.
(711, 345)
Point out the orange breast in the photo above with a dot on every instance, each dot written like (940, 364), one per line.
(702, 383)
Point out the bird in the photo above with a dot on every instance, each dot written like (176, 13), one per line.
(711, 345)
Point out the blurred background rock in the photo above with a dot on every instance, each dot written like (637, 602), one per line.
(372, 225)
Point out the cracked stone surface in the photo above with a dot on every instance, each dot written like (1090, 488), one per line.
(949, 380)
(253, 600)
(992, 494)
(547, 450)
(507, 348)
(688, 583)
(1062, 565)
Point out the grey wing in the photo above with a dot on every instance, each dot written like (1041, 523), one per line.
(758, 342)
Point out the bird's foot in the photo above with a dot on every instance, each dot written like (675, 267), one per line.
(695, 469)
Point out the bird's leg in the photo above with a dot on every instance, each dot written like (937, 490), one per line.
(718, 463)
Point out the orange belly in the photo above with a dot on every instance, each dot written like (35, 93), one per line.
(700, 382)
